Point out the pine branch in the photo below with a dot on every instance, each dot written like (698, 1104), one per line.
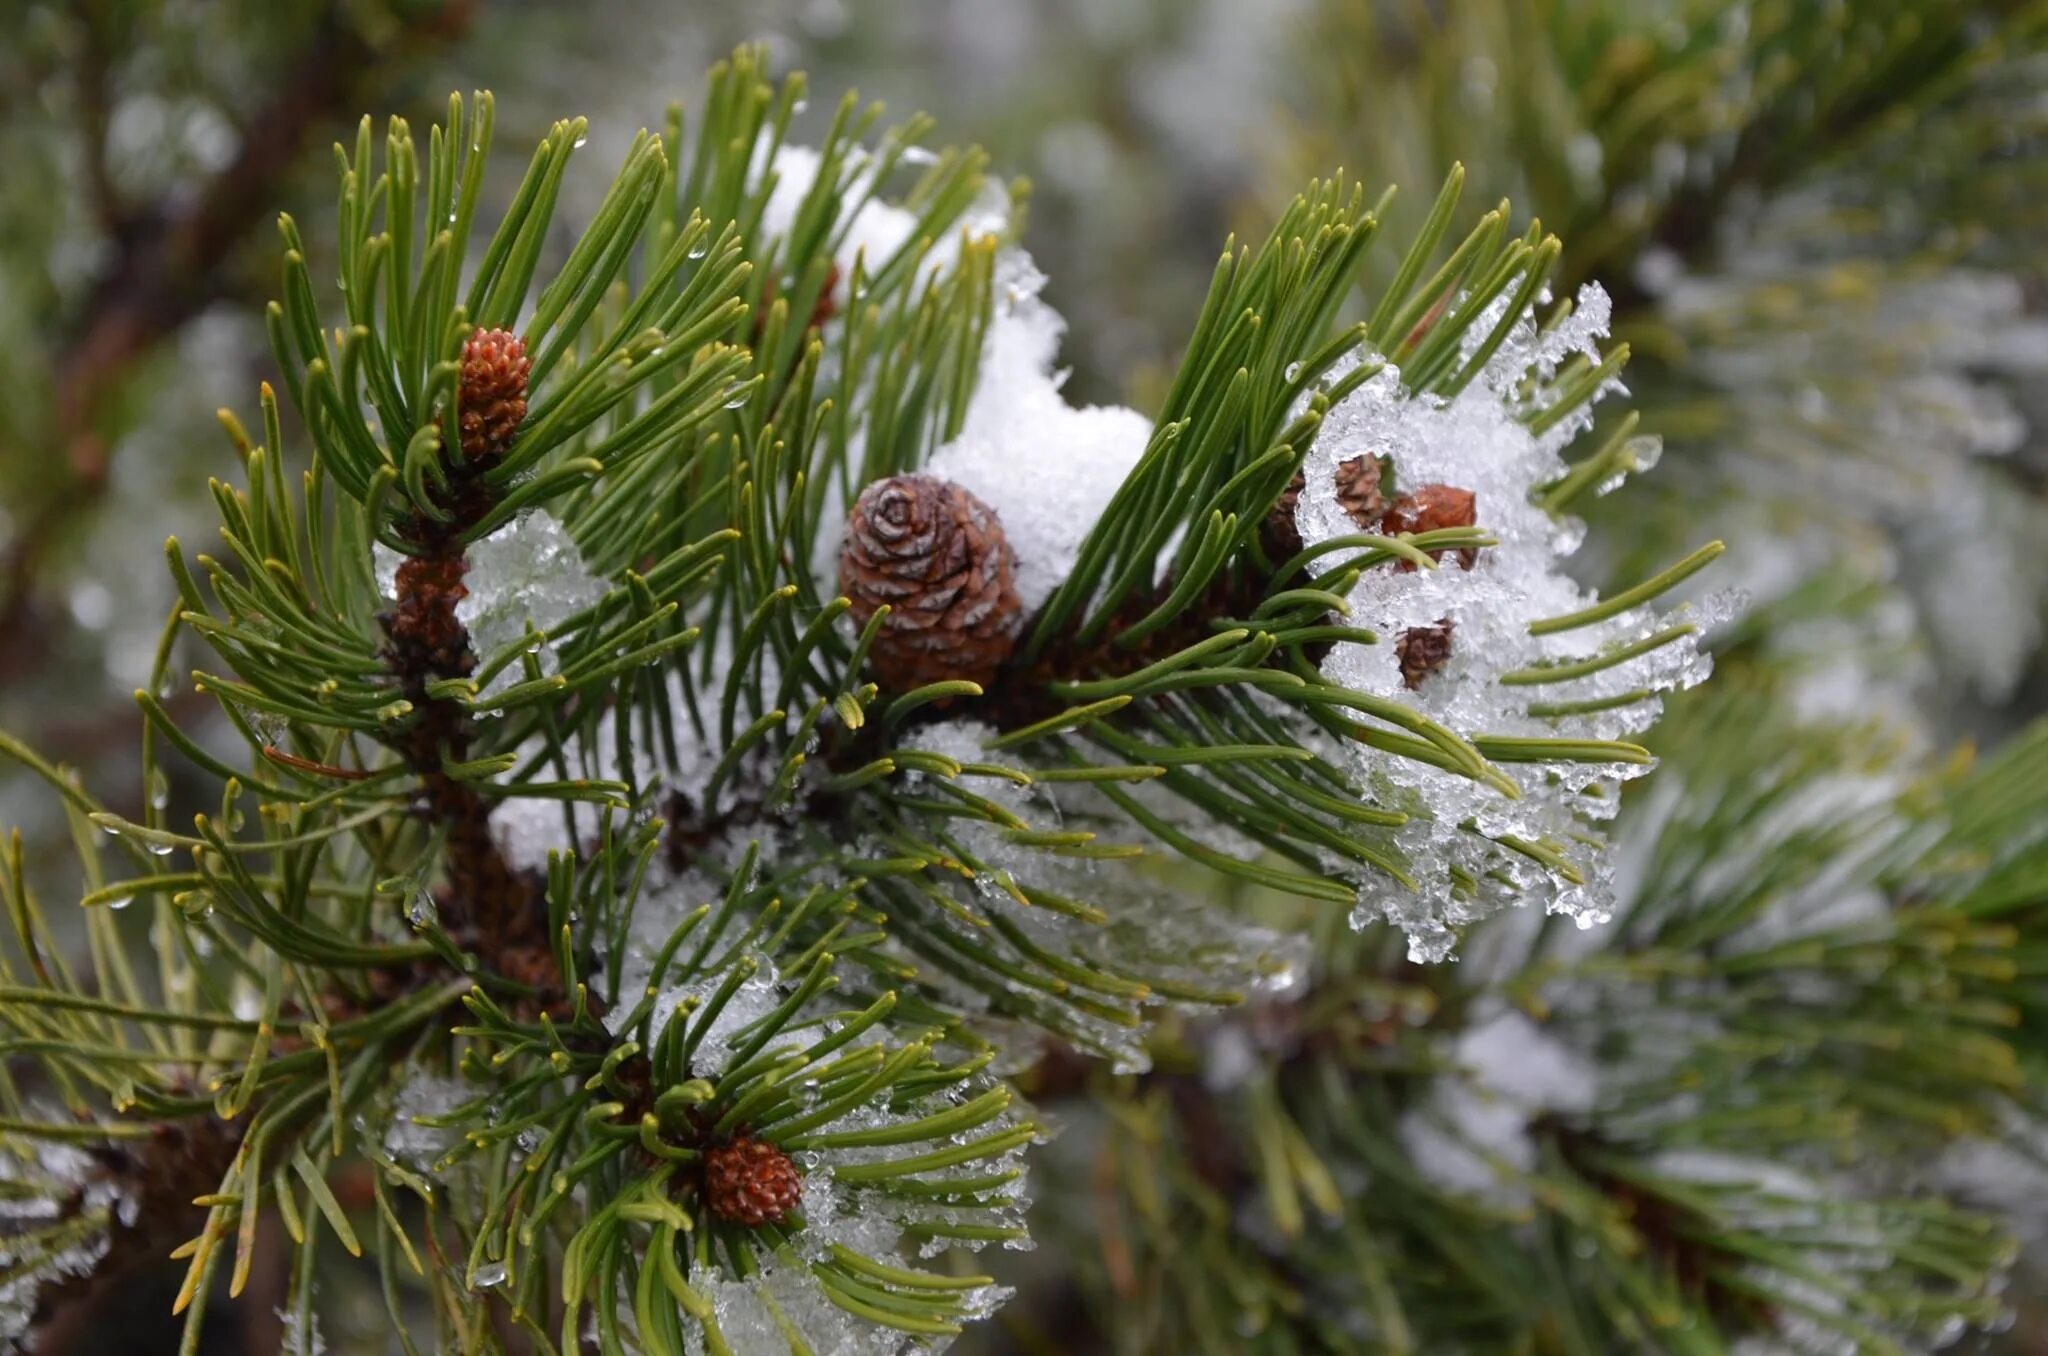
(740, 875)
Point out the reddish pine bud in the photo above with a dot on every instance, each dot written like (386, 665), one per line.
(751, 1182)
(493, 396)
(1428, 508)
(425, 636)
(822, 310)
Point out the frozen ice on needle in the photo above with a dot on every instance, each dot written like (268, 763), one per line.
(1460, 840)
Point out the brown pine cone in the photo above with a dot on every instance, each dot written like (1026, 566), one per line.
(937, 558)
(1422, 650)
(1431, 507)
(1358, 490)
(493, 392)
(751, 1182)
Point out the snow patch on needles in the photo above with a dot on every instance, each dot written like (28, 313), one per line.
(752, 1315)
(667, 767)
(1159, 936)
(876, 1223)
(1466, 841)
(1472, 1133)
(424, 1095)
(1047, 468)
(527, 571)
(56, 1217)
(714, 1037)
(1878, 410)
(298, 1339)
(876, 231)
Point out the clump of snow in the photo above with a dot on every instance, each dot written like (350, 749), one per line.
(529, 828)
(876, 231)
(756, 997)
(1471, 1134)
(528, 571)
(667, 898)
(2009, 1176)
(301, 1339)
(424, 1094)
(1455, 842)
(749, 1324)
(657, 766)
(1771, 1181)
(1047, 468)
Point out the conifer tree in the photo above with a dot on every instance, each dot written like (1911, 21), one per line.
(729, 760)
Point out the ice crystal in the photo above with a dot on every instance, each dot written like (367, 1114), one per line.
(528, 572)
(423, 1094)
(1460, 843)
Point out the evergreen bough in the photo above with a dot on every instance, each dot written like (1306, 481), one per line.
(656, 981)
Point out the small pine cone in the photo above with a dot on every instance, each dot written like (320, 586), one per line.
(1431, 507)
(493, 395)
(1422, 650)
(426, 638)
(1358, 490)
(751, 1182)
(937, 558)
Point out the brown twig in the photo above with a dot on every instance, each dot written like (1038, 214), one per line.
(486, 905)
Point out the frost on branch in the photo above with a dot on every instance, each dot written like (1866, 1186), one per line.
(58, 1207)
(1456, 641)
(1877, 396)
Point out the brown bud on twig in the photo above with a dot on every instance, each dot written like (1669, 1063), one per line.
(493, 392)
(936, 557)
(1428, 508)
(751, 1182)
(822, 310)
(1422, 650)
(1358, 493)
